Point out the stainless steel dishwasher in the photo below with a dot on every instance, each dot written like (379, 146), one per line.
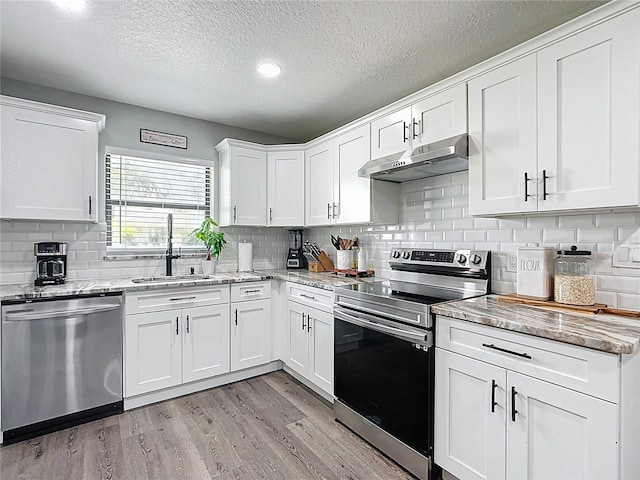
(61, 363)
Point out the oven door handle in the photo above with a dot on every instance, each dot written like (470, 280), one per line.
(368, 310)
(396, 332)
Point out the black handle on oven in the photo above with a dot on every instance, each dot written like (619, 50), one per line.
(397, 332)
(510, 352)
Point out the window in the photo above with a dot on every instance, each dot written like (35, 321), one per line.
(141, 192)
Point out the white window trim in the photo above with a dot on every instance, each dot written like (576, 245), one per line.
(121, 253)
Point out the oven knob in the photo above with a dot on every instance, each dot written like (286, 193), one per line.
(406, 255)
(462, 258)
(395, 254)
(476, 259)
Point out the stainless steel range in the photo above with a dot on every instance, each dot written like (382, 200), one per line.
(384, 351)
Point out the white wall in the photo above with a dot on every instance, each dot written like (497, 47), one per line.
(434, 214)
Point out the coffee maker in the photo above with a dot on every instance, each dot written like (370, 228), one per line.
(51, 263)
(295, 258)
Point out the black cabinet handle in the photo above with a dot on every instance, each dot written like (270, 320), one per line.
(235, 213)
(236, 316)
(526, 186)
(544, 184)
(405, 129)
(308, 323)
(89, 204)
(303, 325)
(177, 332)
(187, 323)
(494, 385)
(270, 215)
(500, 349)
(415, 124)
(513, 404)
(328, 211)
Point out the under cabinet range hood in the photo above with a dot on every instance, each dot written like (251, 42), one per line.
(444, 156)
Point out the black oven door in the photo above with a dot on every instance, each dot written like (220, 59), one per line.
(385, 373)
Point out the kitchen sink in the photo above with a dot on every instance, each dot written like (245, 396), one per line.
(172, 278)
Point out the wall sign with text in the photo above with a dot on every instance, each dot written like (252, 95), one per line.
(162, 138)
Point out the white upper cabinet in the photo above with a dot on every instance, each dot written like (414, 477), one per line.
(49, 162)
(560, 128)
(588, 118)
(502, 139)
(285, 188)
(439, 116)
(434, 118)
(319, 207)
(336, 194)
(243, 184)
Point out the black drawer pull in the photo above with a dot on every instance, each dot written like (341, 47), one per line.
(523, 355)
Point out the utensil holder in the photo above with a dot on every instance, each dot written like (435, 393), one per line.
(343, 259)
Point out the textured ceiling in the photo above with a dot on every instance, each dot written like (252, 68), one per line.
(340, 59)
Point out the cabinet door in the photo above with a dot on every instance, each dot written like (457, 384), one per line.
(469, 417)
(250, 334)
(153, 352)
(319, 209)
(559, 433)
(439, 116)
(285, 188)
(205, 342)
(297, 339)
(49, 166)
(502, 139)
(589, 128)
(352, 193)
(391, 134)
(320, 326)
(248, 187)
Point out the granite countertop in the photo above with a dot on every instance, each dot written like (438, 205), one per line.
(608, 333)
(90, 287)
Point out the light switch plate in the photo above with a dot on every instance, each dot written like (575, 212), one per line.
(626, 254)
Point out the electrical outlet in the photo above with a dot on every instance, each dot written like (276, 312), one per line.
(512, 262)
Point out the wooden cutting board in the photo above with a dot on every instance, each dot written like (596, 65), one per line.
(595, 308)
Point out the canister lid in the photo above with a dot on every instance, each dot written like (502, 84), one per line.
(574, 251)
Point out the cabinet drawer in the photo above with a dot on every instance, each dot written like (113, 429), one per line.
(250, 291)
(582, 369)
(311, 296)
(172, 298)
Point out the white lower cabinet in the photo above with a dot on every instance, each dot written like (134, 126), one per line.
(308, 343)
(251, 325)
(493, 422)
(177, 343)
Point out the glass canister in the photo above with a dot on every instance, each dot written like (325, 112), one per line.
(574, 279)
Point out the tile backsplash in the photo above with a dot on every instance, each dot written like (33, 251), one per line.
(433, 214)
(87, 251)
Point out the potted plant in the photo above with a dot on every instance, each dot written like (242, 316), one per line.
(213, 240)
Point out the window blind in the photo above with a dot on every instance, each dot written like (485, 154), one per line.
(141, 192)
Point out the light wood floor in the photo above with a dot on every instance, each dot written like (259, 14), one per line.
(268, 427)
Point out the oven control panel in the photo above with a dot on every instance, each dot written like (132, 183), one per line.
(452, 258)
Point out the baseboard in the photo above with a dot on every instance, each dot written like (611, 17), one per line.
(327, 396)
(193, 387)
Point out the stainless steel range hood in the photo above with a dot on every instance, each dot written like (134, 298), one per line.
(445, 156)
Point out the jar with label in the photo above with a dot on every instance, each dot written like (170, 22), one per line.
(574, 279)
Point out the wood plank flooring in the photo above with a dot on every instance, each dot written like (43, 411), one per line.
(268, 427)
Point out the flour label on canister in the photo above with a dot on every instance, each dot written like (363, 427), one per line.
(535, 272)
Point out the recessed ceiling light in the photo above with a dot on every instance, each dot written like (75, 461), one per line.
(268, 69)
(71, 5)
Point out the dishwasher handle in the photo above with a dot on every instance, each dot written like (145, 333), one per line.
(30, 315)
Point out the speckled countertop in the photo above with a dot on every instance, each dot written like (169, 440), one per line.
(89, 287)
(608, 333)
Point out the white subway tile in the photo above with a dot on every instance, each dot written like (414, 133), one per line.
(475, 236)
(454, 236)
(7, 278)
(485, 223)
(463, 224)
(63, 236)
(500, 236)
(13, 236)
(443, 225)
(512, 222)
(629, 234)
(38, 237)
(453, 213)
(617, 219)
(608, 298)
(629, 301)
(551, 235)
(565, 221)
(528, 235)
(596, 234)
(542, 222)
(618, 284)
(26, 227)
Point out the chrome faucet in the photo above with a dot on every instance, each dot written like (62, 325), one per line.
(169, 255)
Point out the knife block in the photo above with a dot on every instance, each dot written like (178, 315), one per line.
(324, 264)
